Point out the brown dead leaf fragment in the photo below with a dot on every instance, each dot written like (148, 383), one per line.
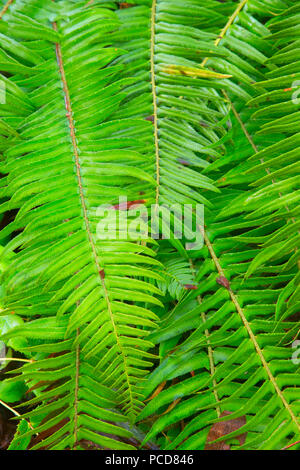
(124, 206)
(183, 162)
(102, 273)
(223, 281)
(7, 430)
(190, 287)
(221, 429)
(124, 5)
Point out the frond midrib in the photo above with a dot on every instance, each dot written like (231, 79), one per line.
(250, 333)
(100, 270)
(154, 97)
(5, 8)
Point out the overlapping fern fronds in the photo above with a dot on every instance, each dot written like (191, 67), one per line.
(239, 331)
(67, 158)
(166, 105)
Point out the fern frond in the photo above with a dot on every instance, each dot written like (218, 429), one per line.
(274, 171)
(245, 350)
(60, 170)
